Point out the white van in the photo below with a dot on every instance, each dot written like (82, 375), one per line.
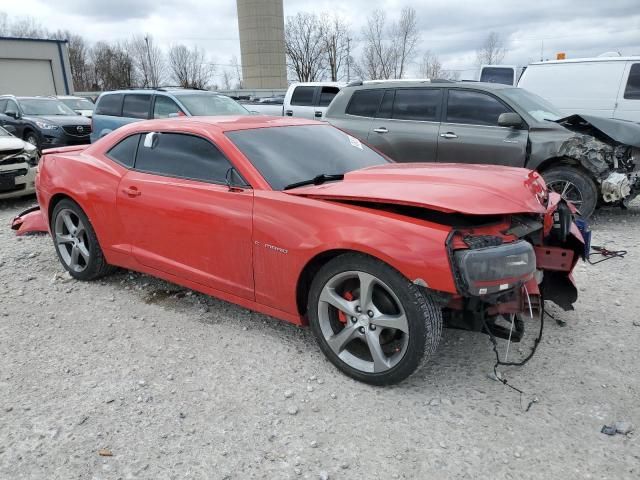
(504, 74)
(310, 99)
(603, 86)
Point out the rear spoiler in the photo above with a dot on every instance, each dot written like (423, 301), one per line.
(73, 148)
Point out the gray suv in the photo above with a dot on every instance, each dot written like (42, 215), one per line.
(589, 160)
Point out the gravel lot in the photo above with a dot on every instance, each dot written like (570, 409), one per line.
(178, 385)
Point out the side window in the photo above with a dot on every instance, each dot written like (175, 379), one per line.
(3, 105)
(474, 108)
(303, 96)
(11, 107)
(497, 75)
(632, 90)
(136, 106)
(364, 103)
(418, 104)
(165, 108)
(183, 156)
(386, 107)
(109, 105)
(326, 95)
(124, 152)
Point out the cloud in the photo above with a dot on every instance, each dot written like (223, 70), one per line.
(452, 29)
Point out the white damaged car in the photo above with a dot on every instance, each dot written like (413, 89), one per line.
(18, 162)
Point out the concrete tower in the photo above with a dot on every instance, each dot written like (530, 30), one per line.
(261, 26)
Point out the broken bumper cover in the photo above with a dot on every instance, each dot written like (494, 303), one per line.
(31, 220)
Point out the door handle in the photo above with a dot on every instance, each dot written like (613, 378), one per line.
(132, 192)
(289, 113)
(449, 135)
(381, 130)
(318, 114)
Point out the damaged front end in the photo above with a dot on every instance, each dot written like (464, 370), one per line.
(504, 272)
(609, 149)
(31, 220)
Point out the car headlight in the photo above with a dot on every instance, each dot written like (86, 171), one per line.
(45, 125)
(33, 157)
(495, 269)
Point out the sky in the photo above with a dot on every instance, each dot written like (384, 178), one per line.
(452, 29)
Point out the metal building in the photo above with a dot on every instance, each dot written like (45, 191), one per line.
(31, 66)
(261, 26)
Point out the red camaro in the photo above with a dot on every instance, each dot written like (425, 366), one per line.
(298, 220)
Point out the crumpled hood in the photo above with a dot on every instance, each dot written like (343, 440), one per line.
(469, 189)
(613, 130)
(10, 145)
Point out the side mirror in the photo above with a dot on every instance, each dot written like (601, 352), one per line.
(14, 115)
(78, 113)
(151, 140)
(510, 120)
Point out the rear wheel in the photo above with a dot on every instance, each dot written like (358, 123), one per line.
(575, 186)
(76, 242)
(370, 321)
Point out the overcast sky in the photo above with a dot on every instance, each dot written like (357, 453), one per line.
(451, 29)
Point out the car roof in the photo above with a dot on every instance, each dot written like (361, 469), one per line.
(221, 123)
(161, 90)
(430, 83)
(589, 59)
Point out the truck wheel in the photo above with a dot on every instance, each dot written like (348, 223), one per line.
(573, 185)
(370, 321)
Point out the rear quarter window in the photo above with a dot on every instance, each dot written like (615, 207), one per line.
(110, 105)
(124, 152)
(632, 90)
(364, 103)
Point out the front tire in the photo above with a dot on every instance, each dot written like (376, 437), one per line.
(32, 138)
(370, 321)
(573, 185)
(76, 242)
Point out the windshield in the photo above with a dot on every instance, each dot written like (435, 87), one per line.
(291, 154)
(78, 103)
(202, 104)
(535, 106)
(44, 106)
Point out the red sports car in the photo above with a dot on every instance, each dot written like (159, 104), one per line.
(298, 220)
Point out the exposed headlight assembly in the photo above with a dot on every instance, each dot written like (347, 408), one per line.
(33, 157)
(495, 269)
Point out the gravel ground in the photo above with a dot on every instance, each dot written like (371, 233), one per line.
(173, 384)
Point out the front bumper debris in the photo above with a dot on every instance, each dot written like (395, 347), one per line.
(31, 220)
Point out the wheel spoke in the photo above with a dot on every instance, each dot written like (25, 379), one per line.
(84, 252)
(330, 296)
(75, 253)
(367, 283)
(61, 239)
(71, 228)
(564, 190)
(380, 360)
(341, 339)
(79, 229)
(399, 322)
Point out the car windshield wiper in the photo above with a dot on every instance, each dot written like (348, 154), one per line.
(317, 180)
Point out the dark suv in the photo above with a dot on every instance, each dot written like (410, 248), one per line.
(587, 159)
(45, 122)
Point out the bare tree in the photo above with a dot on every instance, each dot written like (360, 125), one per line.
(189, 67)
(389, 49)
(226, 79)
(79, 60)
(492, 51)
(304, 46)
(112, 67)
(237, 68)
(22, 27)
(431, 67)
(148, 60)
(405, 37)
(336, 40)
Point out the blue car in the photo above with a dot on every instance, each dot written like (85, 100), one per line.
(120, 107)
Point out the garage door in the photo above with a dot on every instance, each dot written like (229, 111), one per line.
(26, 77)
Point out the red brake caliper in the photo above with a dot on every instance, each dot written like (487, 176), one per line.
(341, 315)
